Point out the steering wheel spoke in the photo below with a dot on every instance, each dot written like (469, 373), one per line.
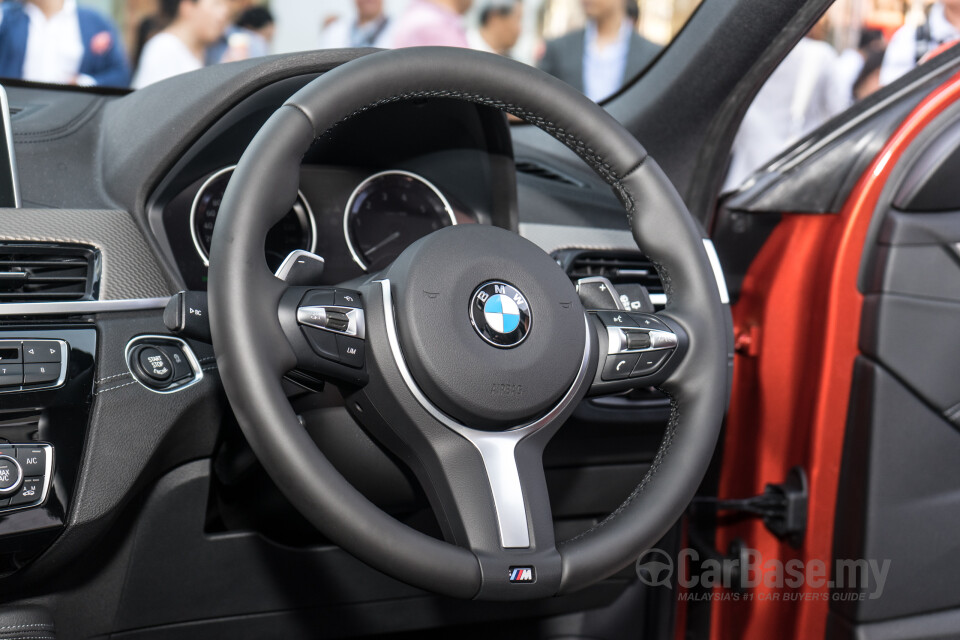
(486, 486)
(489, 494)
(636, 350)
(326, 328)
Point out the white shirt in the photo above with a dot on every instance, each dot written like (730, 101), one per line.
(849, 66)
(344, 33)
(604, 67)
(800, 95)
(477, 42)
(54, 46)
(901, 54)
(165, 55)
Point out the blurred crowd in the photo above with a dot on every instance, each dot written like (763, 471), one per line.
(59, 41)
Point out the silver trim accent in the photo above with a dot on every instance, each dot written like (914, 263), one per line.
(40, 386)
(368, 180)
(80, 307)
(187, 351)
(301, 201)
(316, 316)
(496, 448)
(659, 339)
(717, 270)
(47, 478)
(14, 175)
(16, 485)
(292, 258)
(658, 299)
(604, 282)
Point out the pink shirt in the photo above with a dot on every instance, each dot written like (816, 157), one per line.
(425, 23)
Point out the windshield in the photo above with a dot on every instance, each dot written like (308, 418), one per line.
(597, 46)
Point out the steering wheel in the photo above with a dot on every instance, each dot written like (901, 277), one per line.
(469, 352)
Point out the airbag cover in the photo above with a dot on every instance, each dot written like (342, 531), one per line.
(468, 378)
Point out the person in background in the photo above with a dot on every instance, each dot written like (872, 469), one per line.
(259, 21)
(371, 28)
(868, 80)
(498, 27)
(193, 26)
(911, 43)
(237, 43)
(633, 13)
(599, 59)
(851, 60)
(801, 94)
(57, 41)
(432, 23)
(148, 27)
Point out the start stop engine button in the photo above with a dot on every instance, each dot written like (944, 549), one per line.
(155, 364)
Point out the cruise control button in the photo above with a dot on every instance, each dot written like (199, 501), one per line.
(351, 351)
(41, 351)
(31, 491)
(618, 367)
(9, 351)
(33, 460)
(155, 364)
(347, 299)
(323, 343)
(11, 375)
(337, 321)
(616, 319)
(650, 362)
(649, 321)
(638, 340)
(10, 475)
(41, 373)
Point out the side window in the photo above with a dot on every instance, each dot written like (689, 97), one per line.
(853, 51)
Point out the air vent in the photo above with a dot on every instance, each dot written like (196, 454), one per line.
(15, 110)
(618, 267)
(47, 273)
(544, 172)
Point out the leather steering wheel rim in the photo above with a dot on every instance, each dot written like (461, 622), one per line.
(252, 354)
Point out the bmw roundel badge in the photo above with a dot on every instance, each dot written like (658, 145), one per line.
(500, 314)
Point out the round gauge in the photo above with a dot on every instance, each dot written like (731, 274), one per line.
(387, 212)
(297, 230)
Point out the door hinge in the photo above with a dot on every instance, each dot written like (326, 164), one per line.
(782, 506)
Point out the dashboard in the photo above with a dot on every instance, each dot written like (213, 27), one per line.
(137, 225)
(366, 192)
(358, 221)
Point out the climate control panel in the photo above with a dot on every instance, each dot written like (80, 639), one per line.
(26, 471)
